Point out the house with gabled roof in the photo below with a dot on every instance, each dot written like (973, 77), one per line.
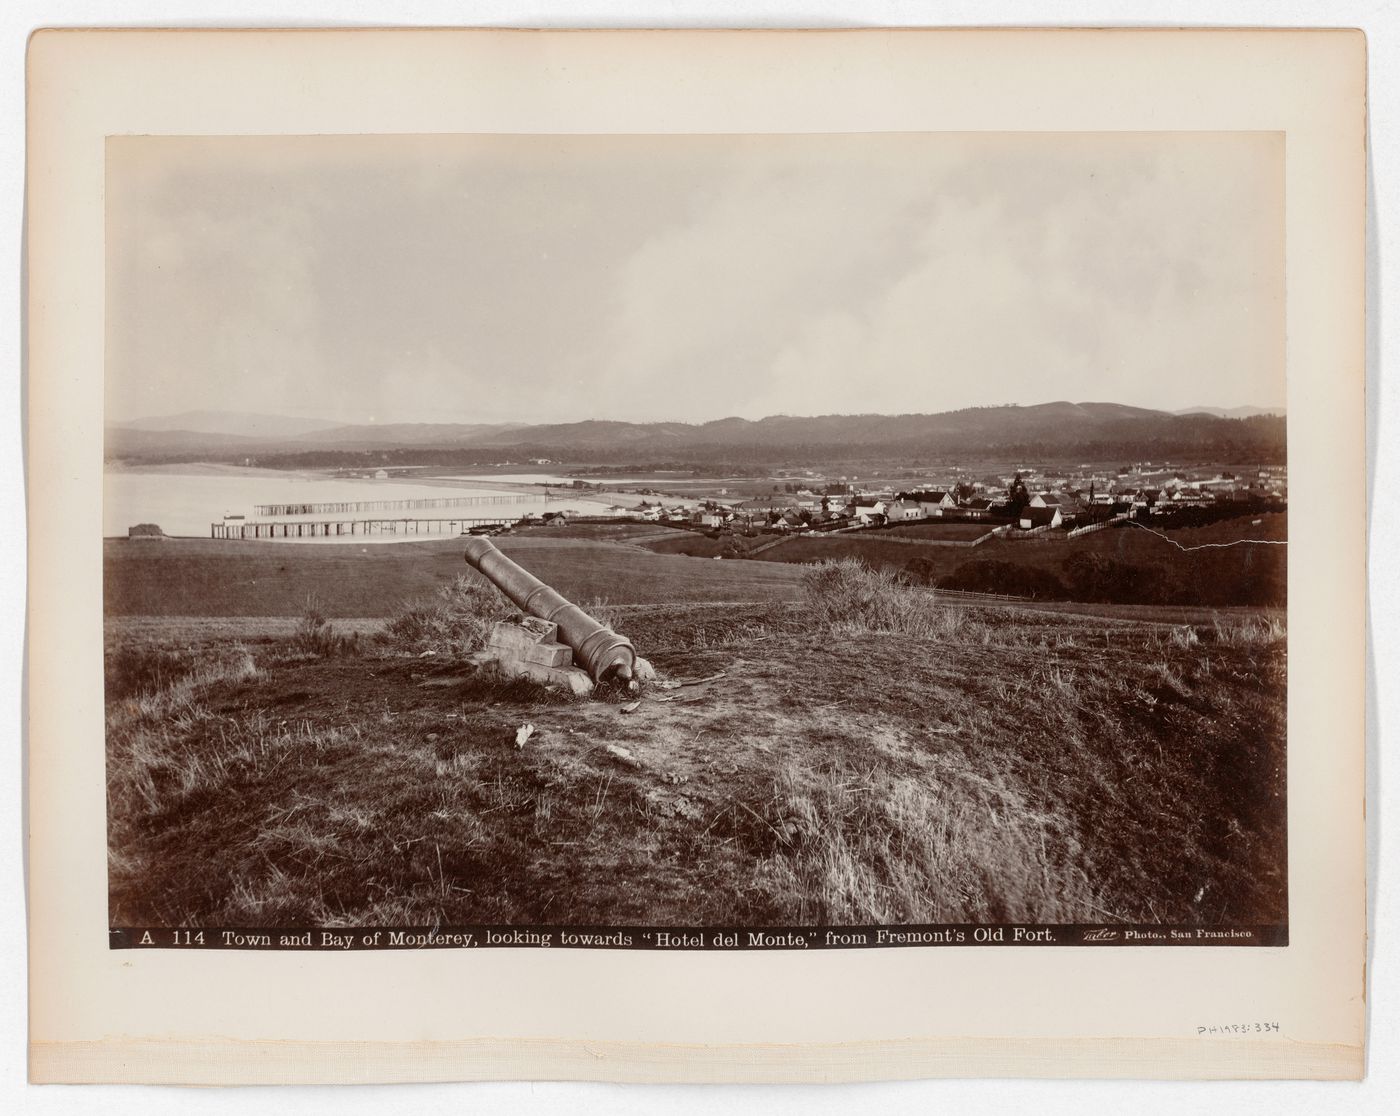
(1067, 504)
(1032, 516)
(900, 511)
(868, 510)
(934, 502)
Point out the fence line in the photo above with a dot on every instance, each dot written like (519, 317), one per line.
(908, 540)
(971, 594)
(1098, 526)
(1018, 533)
(883, 536)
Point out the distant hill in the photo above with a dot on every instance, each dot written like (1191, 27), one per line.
(788, 430)
(233, 423)
(228, 432)
(408, 433)
(1048, 429)
(184, 445)
(1231, 412)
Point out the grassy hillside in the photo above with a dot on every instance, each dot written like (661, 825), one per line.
(1215, 575)
(197, 577)
(867, 755)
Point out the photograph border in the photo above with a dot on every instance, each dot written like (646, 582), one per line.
(523, 76)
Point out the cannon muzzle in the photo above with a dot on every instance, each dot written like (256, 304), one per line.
(597, 648)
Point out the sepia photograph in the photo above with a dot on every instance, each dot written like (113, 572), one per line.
(696, 556)
(796, 540)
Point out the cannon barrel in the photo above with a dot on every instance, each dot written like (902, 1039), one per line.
(597, 648)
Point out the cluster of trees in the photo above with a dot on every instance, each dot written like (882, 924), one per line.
(1017, 496)
(1194, 516)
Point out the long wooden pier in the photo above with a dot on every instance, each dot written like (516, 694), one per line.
(351, 506)
(313, 529)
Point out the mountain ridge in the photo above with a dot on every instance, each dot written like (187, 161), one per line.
(1059, 427)
(1232, 412)
(241, 424)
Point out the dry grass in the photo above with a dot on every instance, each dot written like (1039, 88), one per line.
(145, 674)
(848, 597)
(870, 755)
(457, 621)
(865, 844)
(316, 636)
(1249, 631)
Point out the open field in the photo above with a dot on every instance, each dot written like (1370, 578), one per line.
(701, 545)
(626, 531)
(197, 577)
(861, 753)
(936, 531)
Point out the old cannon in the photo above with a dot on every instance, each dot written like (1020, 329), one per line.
(596, 648)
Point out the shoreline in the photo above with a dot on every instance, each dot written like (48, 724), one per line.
(557, 493)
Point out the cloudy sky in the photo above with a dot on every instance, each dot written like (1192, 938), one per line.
(548, 278)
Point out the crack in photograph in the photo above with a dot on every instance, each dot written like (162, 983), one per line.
(699, 541)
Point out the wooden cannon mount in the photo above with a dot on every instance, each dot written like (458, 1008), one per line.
(554, 642)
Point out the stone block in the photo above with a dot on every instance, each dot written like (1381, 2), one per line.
(518, 636)
(572, 679)
(550, 654)
(545, 630)
(529, 648)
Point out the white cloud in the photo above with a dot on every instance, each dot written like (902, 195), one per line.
(559, 278)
